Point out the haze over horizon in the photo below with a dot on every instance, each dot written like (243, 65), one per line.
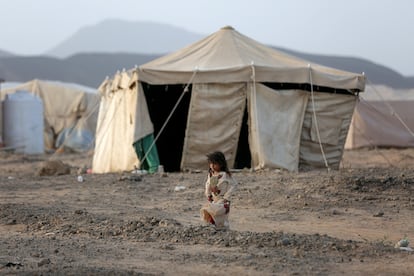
(377, 31)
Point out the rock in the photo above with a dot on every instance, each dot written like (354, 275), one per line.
(11, 222)
(53, 167)
(43, 262)
(379, 214)
(133, 177)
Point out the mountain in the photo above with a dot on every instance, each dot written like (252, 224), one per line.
(117, 36)
(92, 68)
(374, 72)
(85, 69)
(98, 51)
(5, 54)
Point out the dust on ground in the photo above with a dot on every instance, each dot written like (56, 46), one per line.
(321, 222)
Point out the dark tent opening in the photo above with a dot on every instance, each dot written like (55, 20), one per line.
(243, 157)
(161, 100)
(308, 87)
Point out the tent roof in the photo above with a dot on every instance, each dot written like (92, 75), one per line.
(52, 83)
(228, 56)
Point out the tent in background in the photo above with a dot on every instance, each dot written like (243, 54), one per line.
(261, 107)
(70, 112)
(384, 117)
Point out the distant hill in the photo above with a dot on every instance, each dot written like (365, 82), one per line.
(375, 73)
(5, 54)
(85, 69)
(118, 36)
(91, 69)
(95, 52)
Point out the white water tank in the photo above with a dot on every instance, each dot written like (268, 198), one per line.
(23, 123)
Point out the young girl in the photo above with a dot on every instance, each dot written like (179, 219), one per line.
(219, 187)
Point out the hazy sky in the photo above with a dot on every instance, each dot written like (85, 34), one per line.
(381, 31)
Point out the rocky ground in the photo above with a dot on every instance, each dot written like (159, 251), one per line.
(343, 222)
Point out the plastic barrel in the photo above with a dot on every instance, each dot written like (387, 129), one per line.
(23, 123)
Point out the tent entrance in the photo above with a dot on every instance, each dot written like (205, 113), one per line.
(161, 100)
(243, 156)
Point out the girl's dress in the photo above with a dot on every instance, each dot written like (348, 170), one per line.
(216, 211)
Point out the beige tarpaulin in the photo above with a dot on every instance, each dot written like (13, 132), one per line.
(383, 117)
(123, 119)
(333, 117)
(214, 122)
(275, 126)
(227, 56)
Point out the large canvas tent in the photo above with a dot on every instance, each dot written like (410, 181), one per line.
(70, 112)
(261, 107)
(384, 117)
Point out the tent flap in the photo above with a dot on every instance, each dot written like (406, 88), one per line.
(275, 119)
(114, 149)
(333, 114)
(214, 122)
(328, 128)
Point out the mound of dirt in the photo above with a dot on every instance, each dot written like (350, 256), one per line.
(53, 167)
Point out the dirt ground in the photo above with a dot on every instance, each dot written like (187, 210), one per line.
(322, 222)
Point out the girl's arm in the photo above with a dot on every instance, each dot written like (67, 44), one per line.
(207, 191)
(232, 185)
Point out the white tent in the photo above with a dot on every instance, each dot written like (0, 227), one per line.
(70, 112)
(123, 119)
(384, 117)
(261, 107)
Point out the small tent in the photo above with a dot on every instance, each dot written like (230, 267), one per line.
(384, 117)
(261, 107)
(70, 112)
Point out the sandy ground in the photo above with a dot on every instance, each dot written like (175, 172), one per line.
(343, 222)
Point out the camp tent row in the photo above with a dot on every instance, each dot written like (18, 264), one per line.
(261, 107)
(384, 117)
(70, 112)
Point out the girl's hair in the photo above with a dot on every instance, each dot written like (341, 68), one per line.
(218, 157)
